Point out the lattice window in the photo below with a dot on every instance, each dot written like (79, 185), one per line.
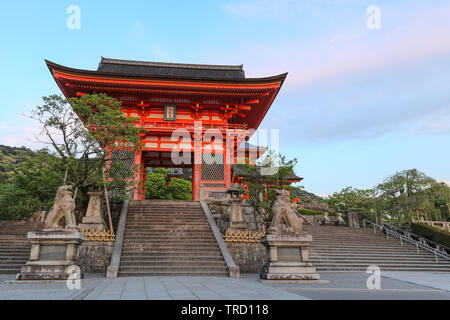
(123, 163)
(212, 167)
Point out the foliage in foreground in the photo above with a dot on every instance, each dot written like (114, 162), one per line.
(76, 155)
(431, 233)
(160, 185)
(32, 186)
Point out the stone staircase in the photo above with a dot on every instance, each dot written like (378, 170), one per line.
(169, 238)
(346, 249)
(14, 245)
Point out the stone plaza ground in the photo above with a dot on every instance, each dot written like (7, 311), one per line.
(339, 286)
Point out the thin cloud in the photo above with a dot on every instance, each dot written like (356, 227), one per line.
(422, 34)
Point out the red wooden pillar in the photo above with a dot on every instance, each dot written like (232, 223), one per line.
(197, 167)
(144, 180)
(228, 157)
(138, 176)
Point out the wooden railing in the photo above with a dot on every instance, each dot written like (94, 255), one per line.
(99, 235)
(242, 236)
(189, 125)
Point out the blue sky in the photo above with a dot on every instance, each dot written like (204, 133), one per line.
(357, 106)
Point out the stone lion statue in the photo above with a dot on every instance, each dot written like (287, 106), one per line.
(64, 206)
(283, 213)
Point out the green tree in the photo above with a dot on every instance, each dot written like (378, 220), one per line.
(156, 186)
(404, 194)
(179, 189)
(32, 186)
(81, 132)
(264, 179)
(361, 201)
(160, 185)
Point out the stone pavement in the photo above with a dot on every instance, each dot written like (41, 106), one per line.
(341, 286)
(187, 288)
(395, 285)
(431, 279)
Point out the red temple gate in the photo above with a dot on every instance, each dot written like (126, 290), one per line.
(195, 116)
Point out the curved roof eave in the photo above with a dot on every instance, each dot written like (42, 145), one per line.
(51, 65)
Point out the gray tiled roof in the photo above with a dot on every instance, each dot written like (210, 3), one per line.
(171, 69)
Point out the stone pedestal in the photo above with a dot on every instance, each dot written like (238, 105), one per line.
(53, 256)
(353, 221)
(94, 217)
(237, 221)
(288, 258)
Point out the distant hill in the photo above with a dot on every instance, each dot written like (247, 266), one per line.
(306, 196)
(10, 157)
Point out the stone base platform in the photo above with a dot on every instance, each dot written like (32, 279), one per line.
(53, 256)
(288, 258)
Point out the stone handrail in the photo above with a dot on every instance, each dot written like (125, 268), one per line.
(418, 241)
(113, 268)
(232, 267)
(306, 221)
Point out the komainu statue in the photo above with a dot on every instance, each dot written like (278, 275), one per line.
(64, 206)
(284, 220)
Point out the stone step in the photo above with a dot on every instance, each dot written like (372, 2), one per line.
(191, 252)
(169, 238)
(314, 253)
(13, 251)
(165, 236)
(151, 239)
(7, 265)
(15, 254)
(188, 246)
(160, 258)
(174, 274)
(363, 247)
(173, 263)
(165, 217)
(364, 269)
(171, 268)
(166, 221)
(190, 241)
(372, 257)
(182, 211)
(9, 271)
(441, 263)
(152, 225)
(345, 249)
(16, 246)
(169, 251)
(6, 257)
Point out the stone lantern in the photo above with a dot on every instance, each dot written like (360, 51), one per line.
(237, 221)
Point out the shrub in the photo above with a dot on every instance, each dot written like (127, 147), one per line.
(431, 233)
(309, 212)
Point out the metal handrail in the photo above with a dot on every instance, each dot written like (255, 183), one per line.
(423, 243)
(418, 237)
